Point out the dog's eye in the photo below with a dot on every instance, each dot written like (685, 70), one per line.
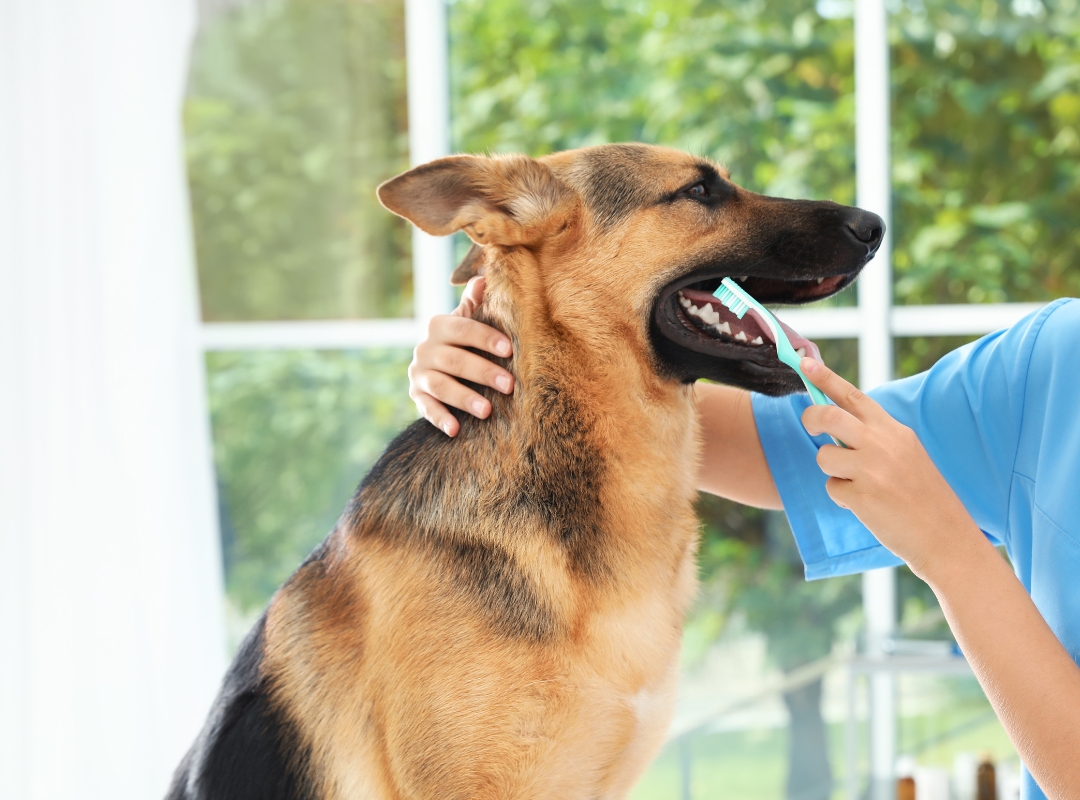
(698, 190)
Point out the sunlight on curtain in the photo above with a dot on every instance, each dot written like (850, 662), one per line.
(111, 638)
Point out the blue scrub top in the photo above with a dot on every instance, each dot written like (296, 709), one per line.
(1000, 418)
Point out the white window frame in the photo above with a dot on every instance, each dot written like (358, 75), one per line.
(875, 321)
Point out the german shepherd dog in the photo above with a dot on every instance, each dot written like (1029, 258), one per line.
(499, 616)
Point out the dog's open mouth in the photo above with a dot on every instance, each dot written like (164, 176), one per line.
(704, 316)
(709, 316)
(690, 317)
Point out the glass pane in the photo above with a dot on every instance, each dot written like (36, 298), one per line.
(294, 433)
(757, 622)
(945, 727)
(947, 721)
(295, 113)
(842, 356)
(917, 354)
(765, 86)
(986, 109)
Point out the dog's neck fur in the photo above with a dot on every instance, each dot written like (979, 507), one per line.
(592, 447)
(587, 407)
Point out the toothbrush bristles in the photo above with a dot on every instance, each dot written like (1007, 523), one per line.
(734, 303)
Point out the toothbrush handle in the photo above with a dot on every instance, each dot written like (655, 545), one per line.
(816, 394)
(820, 399)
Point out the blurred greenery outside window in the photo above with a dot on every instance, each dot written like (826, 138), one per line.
(296, 111)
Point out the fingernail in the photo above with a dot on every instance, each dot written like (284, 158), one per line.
(502, 347)
(479, 407)
(809, 366)
(502, 383)
(446, 428)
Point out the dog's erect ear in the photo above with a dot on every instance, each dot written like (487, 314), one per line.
(505, 200)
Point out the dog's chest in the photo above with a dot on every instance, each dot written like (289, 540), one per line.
(623, 683)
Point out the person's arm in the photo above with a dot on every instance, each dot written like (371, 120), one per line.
(886, 478)
(733, 464)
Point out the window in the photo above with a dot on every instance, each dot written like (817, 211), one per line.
(312, 295)
(295, 112)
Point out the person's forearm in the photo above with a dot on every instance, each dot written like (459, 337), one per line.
(733, 464)
(1026, 673)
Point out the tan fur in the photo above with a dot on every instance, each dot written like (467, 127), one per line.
(398, 682)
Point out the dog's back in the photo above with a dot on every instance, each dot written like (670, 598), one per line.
(499, 615)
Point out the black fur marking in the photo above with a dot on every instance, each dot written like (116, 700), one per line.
(507, 597)
(410, 475)
(557, 483)
(248, 750)
(719, 190)
(560, 480)
(614, 188)
(420, 470)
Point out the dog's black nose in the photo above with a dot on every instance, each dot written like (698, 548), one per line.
(867, 228)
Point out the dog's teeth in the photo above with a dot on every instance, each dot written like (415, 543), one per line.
(757, 341)
(723, 327)
(684, 302)
(801, 352)
(742, 278)
(740, 337)
(819, 281)
(693, 309)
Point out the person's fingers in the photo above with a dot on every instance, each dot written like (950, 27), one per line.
(447, 390)
(836, 422)
(840, 491)
(459, 331)
(837, 462)
(471, 297)
(463, 365)
(841, 392)
(436, 413)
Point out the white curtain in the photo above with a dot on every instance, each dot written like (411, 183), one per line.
(111, 633)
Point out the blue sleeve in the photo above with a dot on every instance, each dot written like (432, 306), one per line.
(967, 411)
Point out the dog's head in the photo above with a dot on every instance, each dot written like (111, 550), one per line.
(629, 241)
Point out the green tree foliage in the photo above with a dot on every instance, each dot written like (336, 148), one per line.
(986, 109)
(295, 112)
(765, 86)
(750, 566)
(294, 432)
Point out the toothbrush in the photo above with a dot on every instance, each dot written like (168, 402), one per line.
(735, 298)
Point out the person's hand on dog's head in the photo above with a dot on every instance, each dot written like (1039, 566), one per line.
(441, 361)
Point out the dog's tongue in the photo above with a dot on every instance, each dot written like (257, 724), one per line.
(796, 339)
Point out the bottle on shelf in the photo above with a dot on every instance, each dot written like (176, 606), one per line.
(986, 779)
(905, 778)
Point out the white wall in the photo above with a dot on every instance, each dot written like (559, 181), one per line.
(111, 641)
